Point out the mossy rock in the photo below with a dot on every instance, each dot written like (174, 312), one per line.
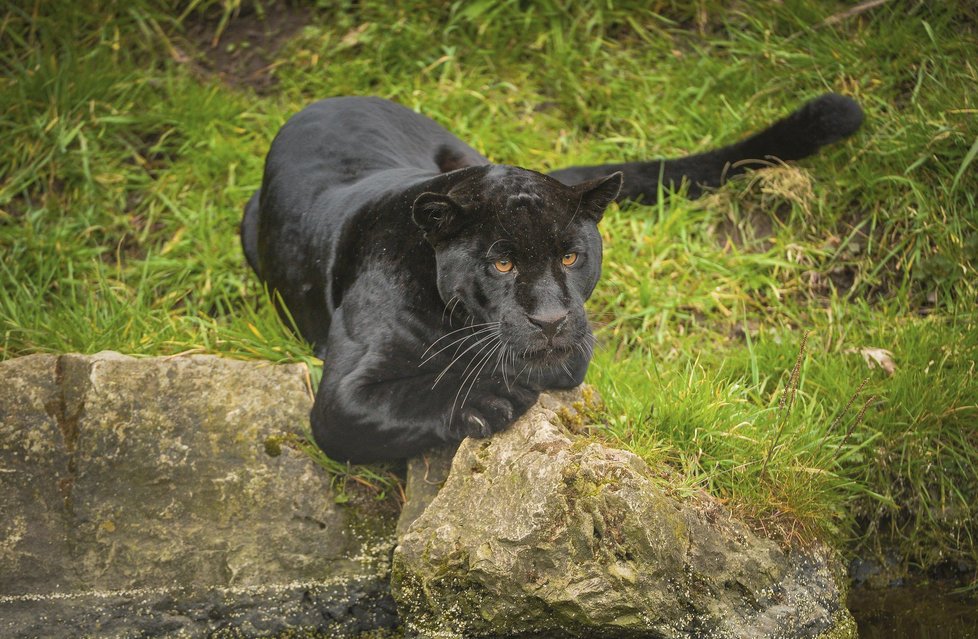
(537, 532)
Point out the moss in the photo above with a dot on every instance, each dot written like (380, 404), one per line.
(580, 414)
(843, 626)
(580, 444)
(273, 445)
(571, 419)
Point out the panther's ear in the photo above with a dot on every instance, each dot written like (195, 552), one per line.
(435, 214)
(597, 194)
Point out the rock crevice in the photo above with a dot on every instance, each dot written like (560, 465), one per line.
(65, 408)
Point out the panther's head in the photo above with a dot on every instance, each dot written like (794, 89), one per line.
(521, 252)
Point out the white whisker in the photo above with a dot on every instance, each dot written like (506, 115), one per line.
(477, 354)
(474, 374)
(459, 356)
(484, 327)
(499, 360)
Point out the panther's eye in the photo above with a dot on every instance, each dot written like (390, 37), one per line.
(504, 265)
(568, 259)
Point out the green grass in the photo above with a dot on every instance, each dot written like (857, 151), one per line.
(126, 165)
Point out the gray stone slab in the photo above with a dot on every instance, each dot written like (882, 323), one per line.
(137, 497)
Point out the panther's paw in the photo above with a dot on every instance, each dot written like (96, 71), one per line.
(484, 416)
(488, 413)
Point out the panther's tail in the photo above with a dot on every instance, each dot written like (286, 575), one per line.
(826, 119)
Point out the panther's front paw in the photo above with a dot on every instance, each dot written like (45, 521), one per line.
(485, 416)
(490, 413)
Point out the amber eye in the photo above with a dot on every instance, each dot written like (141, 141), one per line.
(568, 259)
(503, 265)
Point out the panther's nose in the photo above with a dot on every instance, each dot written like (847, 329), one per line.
(548, 323)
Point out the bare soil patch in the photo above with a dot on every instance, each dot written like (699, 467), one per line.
(243, 54)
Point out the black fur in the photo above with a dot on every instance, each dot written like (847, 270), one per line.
(444, 292)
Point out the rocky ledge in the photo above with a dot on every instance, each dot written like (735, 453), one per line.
(139, 498)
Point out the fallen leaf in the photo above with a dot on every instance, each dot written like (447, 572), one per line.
(877, 357)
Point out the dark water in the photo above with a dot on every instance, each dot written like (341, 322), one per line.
(918, 611)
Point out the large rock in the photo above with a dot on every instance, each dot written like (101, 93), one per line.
(143, 497)
(540, 533)
(149, 497)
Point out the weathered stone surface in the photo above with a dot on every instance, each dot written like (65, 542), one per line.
(538, 533)
(138, 497)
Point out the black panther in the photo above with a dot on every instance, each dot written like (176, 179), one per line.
(444, 292)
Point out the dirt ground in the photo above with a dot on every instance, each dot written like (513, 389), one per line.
(242, 54)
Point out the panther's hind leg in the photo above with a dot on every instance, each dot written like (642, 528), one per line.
(249, 231)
